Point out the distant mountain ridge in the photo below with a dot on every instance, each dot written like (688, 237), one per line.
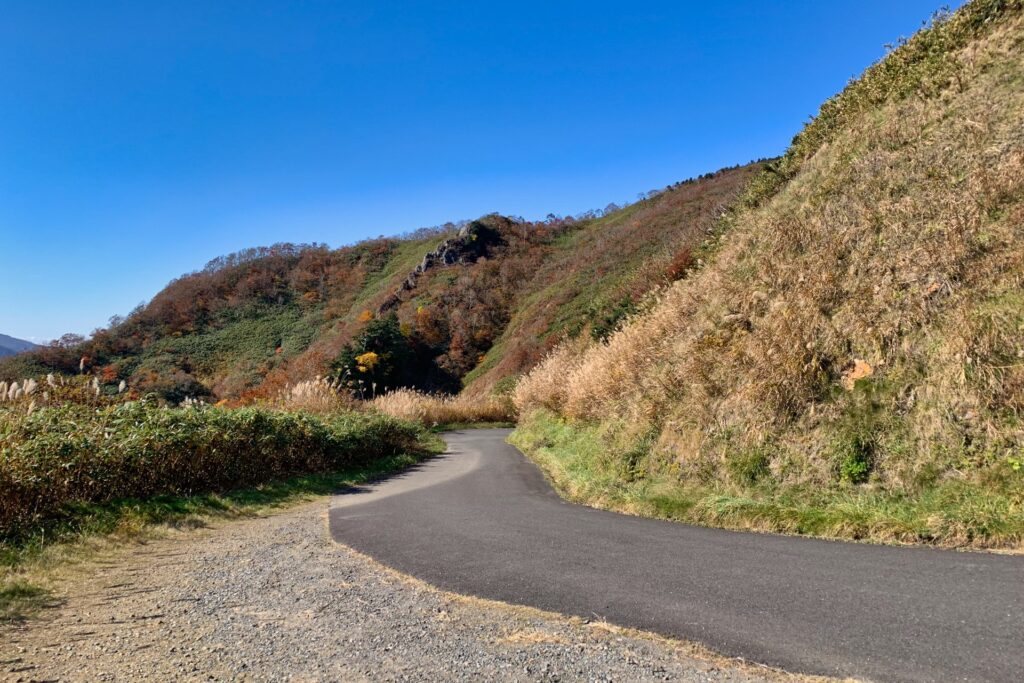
(10, 345)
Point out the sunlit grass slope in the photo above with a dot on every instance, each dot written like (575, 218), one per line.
(857, 342)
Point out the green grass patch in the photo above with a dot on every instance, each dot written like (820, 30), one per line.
(407, 255)
(953, 513)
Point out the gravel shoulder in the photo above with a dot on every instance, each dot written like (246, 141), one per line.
(273, 598)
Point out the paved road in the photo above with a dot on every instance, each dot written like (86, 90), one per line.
(482, 520)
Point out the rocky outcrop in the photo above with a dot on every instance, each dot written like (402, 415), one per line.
(472, 241)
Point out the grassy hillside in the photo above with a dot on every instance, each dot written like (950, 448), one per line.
(849, 362)
(595, 276)
(249, 325)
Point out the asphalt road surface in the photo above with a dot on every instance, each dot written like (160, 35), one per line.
(481, 520)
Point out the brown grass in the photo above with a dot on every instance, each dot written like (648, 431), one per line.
(898, 244)
(320, 395)
(595, 270)
(432, 410)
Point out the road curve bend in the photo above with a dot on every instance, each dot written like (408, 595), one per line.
(481, 520)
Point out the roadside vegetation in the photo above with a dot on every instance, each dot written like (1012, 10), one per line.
(58, 459)
(76, 464)
(586, 467)
(86, 465)
(64, 447)
(848, 360)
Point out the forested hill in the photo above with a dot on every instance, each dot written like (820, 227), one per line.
(470, 304)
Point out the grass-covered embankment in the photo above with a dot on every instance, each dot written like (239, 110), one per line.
(848, 360)
(584, 465)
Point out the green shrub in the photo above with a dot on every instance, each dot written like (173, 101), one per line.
(378, 357)
(750, 466)
(607, 318)
(632, 462)
(866, 416)
(856, 460)
(57, 457)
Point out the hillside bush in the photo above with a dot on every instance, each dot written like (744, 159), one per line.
(251, 324)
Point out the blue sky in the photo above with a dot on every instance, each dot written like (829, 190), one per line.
(140, 140)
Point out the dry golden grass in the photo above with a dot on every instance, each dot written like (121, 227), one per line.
(319, 395)
(899, 245)
(432, 410)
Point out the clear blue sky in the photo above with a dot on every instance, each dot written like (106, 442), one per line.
(138, 140)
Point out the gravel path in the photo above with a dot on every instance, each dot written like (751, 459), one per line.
(272, 598)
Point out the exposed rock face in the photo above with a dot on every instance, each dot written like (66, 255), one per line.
(473, 241)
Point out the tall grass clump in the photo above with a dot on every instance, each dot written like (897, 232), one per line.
(438, 410)
(319, 395)
(56, 459)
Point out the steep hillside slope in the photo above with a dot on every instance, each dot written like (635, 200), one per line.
(10, 345)
(597, 275)
(474, 303)
(857, 340)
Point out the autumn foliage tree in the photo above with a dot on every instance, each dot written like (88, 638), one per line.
(377, 359)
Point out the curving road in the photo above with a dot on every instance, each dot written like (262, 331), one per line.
(482, 520)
